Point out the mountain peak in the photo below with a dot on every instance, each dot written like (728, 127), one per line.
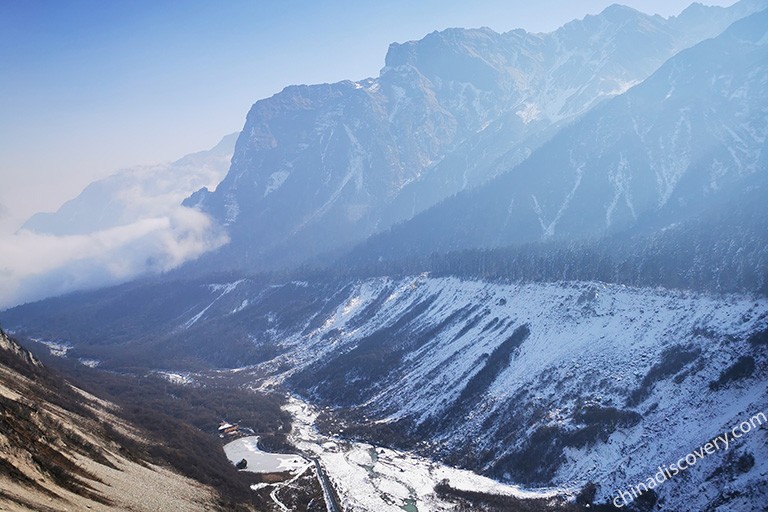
(411, 52)
(615, 12)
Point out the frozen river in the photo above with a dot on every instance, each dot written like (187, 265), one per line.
(374, 478)
(260, 461)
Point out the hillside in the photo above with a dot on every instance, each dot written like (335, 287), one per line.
(513, 272)
(558, 384)
(61, 449)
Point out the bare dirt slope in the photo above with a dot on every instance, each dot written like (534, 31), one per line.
(62, 449)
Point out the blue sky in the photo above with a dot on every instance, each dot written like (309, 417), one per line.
(90, 86)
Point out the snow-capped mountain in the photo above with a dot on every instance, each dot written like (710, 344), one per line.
(685, 143)
(320, 167)
(6, 220)
(135, 194)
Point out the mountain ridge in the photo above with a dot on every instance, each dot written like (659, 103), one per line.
(629, 164)
(319, 168)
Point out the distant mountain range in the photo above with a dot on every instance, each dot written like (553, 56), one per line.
(577, 134)
(127, 225)
(134, 194)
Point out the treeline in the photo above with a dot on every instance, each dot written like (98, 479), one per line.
(701, 270)
(694, 257)
(719, 247)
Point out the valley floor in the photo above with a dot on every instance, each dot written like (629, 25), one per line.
(373, 478)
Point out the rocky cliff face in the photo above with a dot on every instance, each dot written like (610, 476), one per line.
(320, 167)
(686, 142)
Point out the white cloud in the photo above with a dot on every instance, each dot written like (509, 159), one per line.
(34, 266)
(118, 228)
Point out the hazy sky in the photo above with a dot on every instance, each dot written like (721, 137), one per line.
(90, 86)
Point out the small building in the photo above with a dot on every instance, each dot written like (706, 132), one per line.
(228, 429)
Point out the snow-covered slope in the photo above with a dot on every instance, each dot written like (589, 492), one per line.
(557, 384)
(374, 478)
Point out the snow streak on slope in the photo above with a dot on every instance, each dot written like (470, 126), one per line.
(595, 382)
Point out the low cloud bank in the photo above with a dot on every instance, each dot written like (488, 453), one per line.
(118, 228)
(34, 266)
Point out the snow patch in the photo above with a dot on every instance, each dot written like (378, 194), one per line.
(275, 181)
